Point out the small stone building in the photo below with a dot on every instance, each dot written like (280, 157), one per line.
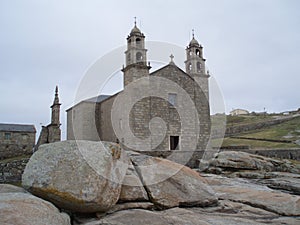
(237, 112)
(92, 119)
(16, 140)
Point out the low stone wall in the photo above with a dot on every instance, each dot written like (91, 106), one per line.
(11, 170)
(192, 160)
(293, 153)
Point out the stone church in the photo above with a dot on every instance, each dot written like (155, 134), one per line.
(91, 118)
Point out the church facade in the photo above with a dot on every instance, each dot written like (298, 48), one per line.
(91, 119)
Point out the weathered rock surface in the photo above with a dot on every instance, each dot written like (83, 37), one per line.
(132, 188)
(131, 205)
(226, 213)
(80, 176)
(232, 160)
(19, 207)
(243, 191)
(8, 188)
(170, 184)
(288, 184)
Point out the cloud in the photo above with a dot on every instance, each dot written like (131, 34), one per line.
(252, 48)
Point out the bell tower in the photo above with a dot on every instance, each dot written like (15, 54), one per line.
(135, 56)
(195, 64)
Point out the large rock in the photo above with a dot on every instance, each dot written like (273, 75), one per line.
(8, 188)
(228, 213)
(19, 207)
(243, 191)
(132, 188)
(233, 160)
(170, 184)
(289, 184)
(80, 176)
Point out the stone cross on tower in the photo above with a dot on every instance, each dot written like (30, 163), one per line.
(172, 59)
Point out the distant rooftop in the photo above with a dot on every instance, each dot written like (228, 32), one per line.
(17, 127)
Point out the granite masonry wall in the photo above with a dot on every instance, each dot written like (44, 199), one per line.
(11, 170)
(19, 143)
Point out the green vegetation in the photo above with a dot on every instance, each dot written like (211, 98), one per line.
(254, 144)
(286, 131)
(289, 130)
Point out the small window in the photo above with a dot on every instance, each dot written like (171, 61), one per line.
(174, 142)
(139, 56)
(138, 41)
(172, 98)
(7, 136)
(190, 67)
(198, 66)
(197, 52)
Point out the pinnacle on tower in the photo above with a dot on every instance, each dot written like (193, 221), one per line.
(56, 99)
(55, 109)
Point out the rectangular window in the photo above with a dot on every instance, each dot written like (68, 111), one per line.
(174, 142)
(172, 98)
(7, 136)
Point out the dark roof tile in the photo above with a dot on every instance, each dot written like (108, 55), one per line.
(17, 127)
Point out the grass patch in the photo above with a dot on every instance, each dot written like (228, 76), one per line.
(288, 130)
(254, 144)
(279, 131)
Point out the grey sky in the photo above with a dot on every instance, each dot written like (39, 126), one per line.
(252, 48)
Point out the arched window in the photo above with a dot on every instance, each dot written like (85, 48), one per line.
(198, 52)
(139, 56)
(138, 42)
(198, 66)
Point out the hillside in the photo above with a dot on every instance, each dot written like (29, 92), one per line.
(261, 131)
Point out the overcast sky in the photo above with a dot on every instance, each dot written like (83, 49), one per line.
(252, 48)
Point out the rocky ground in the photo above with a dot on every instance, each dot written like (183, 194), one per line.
(87, 183)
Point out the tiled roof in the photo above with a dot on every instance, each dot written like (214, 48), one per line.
(17, 127)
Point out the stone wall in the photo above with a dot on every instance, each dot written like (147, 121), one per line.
(81, 122)
(49, 134)
(193, 160)
(20, 143)
(11, 170)
(103, 120)
(293, 153)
